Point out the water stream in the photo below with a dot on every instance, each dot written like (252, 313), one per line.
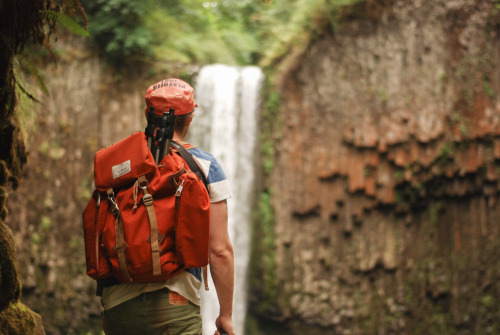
(225, 125)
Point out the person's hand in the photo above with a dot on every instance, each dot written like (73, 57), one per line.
(225, 323)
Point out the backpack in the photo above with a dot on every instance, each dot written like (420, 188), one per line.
(145, 222)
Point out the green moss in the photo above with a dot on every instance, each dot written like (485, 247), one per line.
(44, 148)
(17, 319)
(45, 223)
(269, 124)
(75, 243)
(57, 152)
(398, 175)
(54, 150)
(263, 258)
(267, 255)
(434, 211)
(487, 301)
(447, 152)
(487, 88)
(85, 193)
(443, 77)
(26, 105)
(4, 195)
(267, 157)
(382, 95)
(10, 281)
(35, 238)
(462, 129)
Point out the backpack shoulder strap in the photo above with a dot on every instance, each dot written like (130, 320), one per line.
(193, 165)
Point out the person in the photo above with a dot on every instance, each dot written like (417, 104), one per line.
(173, 307)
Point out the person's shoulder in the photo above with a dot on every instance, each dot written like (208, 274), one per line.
(211, 166)
(200, 153)
(218, 184)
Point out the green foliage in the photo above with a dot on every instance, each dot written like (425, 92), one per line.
(170, 32)
(447, 152)
(399, 175)
(186, 36)
(118, 28)
(45, 223)
(24, 67)
(487, 88)
(242, 32)
(434, 212)
(286, 27)
(66, 21)
(17, 319)
(85, 192)
(25, 72)
(263, 260)
(270, 122)
(267, 264)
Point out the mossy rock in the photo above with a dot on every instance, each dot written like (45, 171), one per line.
(10, 282)
(18, 319)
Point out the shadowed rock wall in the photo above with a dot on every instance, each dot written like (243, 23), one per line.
(386, 177)
(87, 109)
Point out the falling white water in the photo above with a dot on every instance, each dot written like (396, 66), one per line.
(225, 125)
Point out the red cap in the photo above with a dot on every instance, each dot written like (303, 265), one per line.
(171, 93)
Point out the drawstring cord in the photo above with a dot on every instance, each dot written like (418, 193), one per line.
(136, 190)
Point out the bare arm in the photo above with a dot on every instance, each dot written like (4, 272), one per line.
(222, 265)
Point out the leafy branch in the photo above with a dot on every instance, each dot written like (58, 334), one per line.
(66, 21)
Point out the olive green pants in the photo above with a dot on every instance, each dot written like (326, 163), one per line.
(155, 313)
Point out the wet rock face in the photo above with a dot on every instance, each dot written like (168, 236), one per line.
(386, 176)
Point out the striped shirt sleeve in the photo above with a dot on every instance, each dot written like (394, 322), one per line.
(218, 185)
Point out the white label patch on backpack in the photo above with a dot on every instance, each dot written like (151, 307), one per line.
(121, 169)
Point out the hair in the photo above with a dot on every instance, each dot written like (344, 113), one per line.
(181, 122)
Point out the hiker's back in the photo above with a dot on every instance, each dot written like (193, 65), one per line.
(144, 223)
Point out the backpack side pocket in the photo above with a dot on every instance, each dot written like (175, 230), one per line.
(192, 233)
(95, 211)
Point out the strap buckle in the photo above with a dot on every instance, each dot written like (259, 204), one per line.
(143, 183)
(114, 206)
(147, 199)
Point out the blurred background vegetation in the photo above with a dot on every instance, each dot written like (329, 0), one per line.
(161, 34)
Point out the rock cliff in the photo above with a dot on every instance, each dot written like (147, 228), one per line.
(386, 177)
(88, 108)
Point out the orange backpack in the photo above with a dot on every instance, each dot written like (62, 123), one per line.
(145, 223)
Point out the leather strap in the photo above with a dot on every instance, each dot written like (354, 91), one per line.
(205, 278)
(147, 199)
(97, 206)
(120, 245)
(193, 165)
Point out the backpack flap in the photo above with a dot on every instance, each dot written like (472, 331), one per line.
(123, 162)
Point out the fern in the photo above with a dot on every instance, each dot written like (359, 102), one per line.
(22, 63)
(65, 21)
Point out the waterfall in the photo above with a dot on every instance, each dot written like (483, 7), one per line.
(225, 124)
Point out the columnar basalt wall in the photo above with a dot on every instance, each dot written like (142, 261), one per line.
(386, 176)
